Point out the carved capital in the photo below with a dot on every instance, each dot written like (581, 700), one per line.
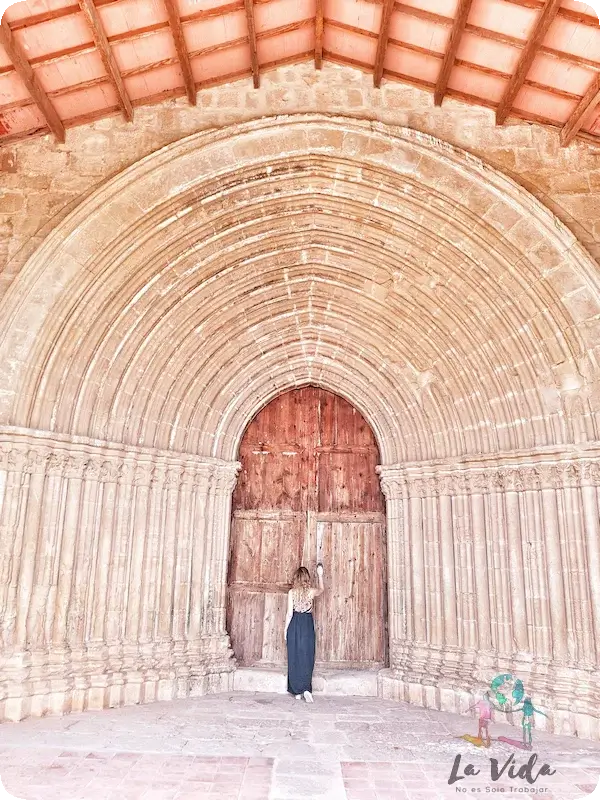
(225, 477)
(590, 474)
(393, 483)
(142, 474)
(514, 480)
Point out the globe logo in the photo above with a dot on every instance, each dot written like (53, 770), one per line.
(508, 691)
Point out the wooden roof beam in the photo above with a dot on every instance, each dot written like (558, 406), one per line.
(29, 78)
(249, 6)
(183, 55)
(460, 21)
(382, 42)
(528, 54)
(319, 21)
(90, 12)
(583, 109)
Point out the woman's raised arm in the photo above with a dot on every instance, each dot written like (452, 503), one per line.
(321, 589)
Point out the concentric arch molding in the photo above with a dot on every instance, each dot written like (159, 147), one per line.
(381, 263)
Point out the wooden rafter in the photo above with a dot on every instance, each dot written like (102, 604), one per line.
(319, 35)
(584, 108)
(306, 56)
(182, 51)
(110, 65)
(411, 11)
(531, 49)
(146, 69)
(458, 28)
(249, 6)
(382, 42)
(579, 17)
(29, 78)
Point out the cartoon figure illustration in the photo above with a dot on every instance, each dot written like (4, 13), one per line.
(528, 720)
(484, 708)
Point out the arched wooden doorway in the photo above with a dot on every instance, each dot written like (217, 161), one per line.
(308, 491)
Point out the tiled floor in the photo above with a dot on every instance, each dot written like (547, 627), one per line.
(272, 747)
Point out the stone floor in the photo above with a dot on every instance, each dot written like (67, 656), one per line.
(272, 747)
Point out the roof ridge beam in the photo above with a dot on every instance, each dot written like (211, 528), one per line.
(319, 23)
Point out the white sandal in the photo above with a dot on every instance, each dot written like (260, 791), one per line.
(308, 697)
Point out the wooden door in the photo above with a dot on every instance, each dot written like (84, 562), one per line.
(308, 491)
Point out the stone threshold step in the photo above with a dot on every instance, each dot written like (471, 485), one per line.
(359, 683)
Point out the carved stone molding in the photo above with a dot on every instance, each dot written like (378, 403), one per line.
(537, 471)
(40, 453)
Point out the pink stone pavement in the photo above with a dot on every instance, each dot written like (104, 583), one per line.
(272, 747)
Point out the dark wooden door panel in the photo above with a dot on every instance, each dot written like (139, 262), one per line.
(308, 463)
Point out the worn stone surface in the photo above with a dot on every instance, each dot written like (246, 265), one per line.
(42, 181)
(269, 747)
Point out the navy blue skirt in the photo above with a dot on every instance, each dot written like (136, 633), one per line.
(301, 652)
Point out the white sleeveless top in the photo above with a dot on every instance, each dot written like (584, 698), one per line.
(302, 600)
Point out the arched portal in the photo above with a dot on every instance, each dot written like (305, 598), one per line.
(437, 296)
(308, 491)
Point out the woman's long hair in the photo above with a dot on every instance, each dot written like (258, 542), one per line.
(301, 579)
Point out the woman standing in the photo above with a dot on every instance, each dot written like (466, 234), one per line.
(300, 633)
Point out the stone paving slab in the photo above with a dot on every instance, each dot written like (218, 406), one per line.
(272, 747)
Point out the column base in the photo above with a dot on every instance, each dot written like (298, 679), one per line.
(42, 684)
(452, 680)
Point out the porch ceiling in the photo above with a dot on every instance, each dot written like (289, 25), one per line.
(66, 63)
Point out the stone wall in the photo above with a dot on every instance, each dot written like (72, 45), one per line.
(41, 181)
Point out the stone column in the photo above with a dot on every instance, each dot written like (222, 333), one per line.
(66, 557)
(224, 480)
(11, 533)
(398, 557)
(554, 566)
(26, 554)
(185, 535)
(445, 488)
(591, 516)
(482, 581)
(541, 627)
(199, 547)
(518, 604)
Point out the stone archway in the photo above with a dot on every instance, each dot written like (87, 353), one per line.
(432, 292)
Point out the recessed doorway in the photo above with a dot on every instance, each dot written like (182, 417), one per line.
(308, 492)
